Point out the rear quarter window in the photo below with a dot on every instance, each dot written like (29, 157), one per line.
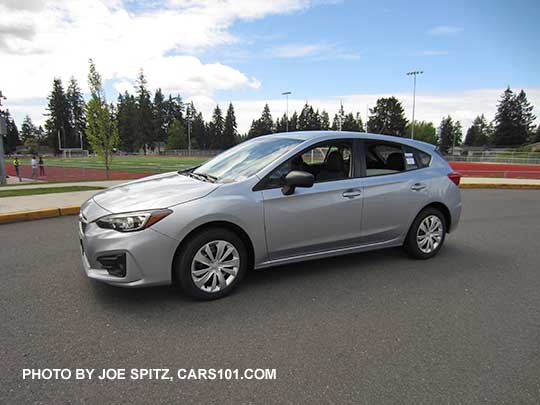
(416, 159)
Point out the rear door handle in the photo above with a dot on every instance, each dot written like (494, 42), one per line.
(418, 187)
(352, 193)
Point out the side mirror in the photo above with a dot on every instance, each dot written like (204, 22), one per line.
(297, 178)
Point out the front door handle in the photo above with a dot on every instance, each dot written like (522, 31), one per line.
(352, 193)
(418, 187)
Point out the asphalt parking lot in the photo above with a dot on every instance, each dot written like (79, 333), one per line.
(374, 327)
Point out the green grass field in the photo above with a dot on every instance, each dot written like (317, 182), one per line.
(127, 163)
(45, 190)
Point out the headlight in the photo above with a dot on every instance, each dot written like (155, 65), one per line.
(132, 221)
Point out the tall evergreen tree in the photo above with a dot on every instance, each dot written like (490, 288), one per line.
(449, 134)
(57, 124)
(127, 122)
(309, 119)
(293, 122)
(159, 118)
(11, 140)
(325, 121)
(281, 124)
(76, 115)
(28, 130)
(101, 129)
(174, 110)
(536, 137)
(513, 120)
(41, 136)
(215, 129)
(479, 132)
(525, 113)
(199, 130)
(145, 127)
(387, 117)
(350, 123)
(339, 117)
(263, 125)
(177, 137)
(229, 131)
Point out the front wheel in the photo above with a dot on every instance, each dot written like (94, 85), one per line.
(211, 264)
(426, 235)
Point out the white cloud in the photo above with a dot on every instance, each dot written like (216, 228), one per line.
(40, 40)
(445, 30)
(318, 51)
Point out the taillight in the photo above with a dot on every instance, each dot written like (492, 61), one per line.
(455, 177)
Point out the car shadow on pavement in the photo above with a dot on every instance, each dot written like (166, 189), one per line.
(314, 275)
(328, 270)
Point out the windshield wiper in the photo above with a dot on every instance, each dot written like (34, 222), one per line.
(208, 177)
(200, 176)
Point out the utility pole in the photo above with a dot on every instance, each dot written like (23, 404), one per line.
(286, 94)
(3, 132)
(414, 73)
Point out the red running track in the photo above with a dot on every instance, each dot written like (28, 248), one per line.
(506, 170)
(471, 169)
(55, 173)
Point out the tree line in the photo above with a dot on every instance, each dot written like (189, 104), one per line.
(142, 121)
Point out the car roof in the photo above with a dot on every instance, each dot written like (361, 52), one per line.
(325, 135)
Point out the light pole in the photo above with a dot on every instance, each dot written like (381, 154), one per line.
(188, 113)
(414, 73)
(286, 94)
(3, 131)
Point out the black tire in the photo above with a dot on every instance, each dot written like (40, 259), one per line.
(412, 246)
(182, 269)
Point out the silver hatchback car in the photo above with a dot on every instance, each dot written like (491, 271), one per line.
(272, 200)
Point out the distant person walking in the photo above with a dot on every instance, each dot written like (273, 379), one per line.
(33, 163)
(41, 167)
(16, 165)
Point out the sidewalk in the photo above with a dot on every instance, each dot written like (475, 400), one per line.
(14, 209)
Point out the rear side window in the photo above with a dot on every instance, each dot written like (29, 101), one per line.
(416, 159)
(389, 158)
(384, 158)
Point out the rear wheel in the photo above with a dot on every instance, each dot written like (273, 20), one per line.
(426, 235)
(211, 264)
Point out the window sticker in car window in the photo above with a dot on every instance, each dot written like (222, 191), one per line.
(409, 157)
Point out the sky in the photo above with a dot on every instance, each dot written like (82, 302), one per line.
(248, 52)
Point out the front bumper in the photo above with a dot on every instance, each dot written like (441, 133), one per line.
(148, 255)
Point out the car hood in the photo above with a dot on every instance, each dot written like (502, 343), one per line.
(159, 191)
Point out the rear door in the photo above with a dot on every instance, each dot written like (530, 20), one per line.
(395, 190)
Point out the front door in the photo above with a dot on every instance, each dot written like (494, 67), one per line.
(320, 218)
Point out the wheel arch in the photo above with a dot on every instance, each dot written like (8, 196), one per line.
(444, 210)
(238, 230)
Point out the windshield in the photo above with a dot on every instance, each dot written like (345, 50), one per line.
(246, 159)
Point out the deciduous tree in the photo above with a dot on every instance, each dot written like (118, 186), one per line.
(101, 130)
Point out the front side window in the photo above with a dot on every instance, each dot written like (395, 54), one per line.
(246, 159)
(327, 162)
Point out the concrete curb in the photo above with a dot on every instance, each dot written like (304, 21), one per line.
(38, 214)
(74, 210)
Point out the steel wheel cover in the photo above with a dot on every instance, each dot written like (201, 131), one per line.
(215, 266)
(429, 234)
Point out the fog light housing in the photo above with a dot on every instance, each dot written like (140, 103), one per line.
(114, 264)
